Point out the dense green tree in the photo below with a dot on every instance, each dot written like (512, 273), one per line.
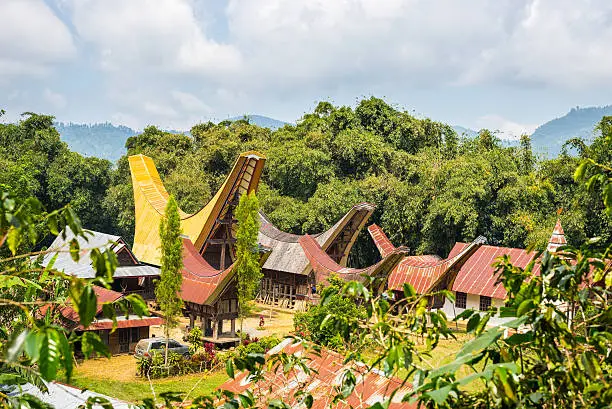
(247, 266)
(168, 287)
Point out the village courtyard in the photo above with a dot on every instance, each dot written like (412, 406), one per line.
(117, 376)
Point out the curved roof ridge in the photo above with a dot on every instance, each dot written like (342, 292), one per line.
(151, 197)
(287, 254)
(323, 264)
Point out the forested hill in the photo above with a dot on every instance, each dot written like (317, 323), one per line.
(577, 123)
(105, 140)
(431, 186)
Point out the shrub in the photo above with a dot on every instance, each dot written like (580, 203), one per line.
(310, 324)
(203, 359)
(195, 339)
(256, 346)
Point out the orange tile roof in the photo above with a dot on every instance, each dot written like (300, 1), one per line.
(327, 369)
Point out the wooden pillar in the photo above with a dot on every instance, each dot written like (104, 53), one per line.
(214, 329)
(233, 327)
(220, 327)
(191, 321)
(222, 264)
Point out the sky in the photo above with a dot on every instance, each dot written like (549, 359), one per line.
(508, 65)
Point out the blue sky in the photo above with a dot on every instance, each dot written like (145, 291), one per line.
(505, 64)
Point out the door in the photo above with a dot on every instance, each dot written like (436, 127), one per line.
(124, 340)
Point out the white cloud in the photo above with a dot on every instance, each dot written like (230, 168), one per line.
(277, 56)
(550, 42)
(190, 102)
(506, 128)
(151, 35)
(56, 100)
(31, 38)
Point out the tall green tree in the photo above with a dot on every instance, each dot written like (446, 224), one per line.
(168, 287)
(248, 269)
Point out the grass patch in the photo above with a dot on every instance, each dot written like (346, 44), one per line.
(116, 377)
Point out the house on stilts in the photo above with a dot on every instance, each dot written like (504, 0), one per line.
(288, 275)
(209, 285)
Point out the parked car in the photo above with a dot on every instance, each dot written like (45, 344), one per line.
(148, 346)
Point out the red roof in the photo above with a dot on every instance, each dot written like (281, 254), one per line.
(477, 275)
(104, 296)
(327, 369)
(323, 265)
(200, 279)
(132, 322)
(422, 272)
(381, 240)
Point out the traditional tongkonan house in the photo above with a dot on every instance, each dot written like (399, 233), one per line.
(130, 329)
(323, 265)
(288, 276)
(475, 282)
(427, 273)
(209, 285)
(131, 276)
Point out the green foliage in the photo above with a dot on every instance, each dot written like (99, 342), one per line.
(315, 325)
(168, 287)
(33, 347)
(195, 339)
(35, 163)
(248, 269)
(256, 346)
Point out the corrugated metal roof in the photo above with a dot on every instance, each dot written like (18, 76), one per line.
(327, 369)
(82, 268)
(66, 397)
(477, 275)
(103, 295)
(132, 321)
(323, 265)
(426, 271)
(287, 254)
(136, 271)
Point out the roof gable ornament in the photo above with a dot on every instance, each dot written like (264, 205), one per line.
(557, 239)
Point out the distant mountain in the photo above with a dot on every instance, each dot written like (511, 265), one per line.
(578, 122)
(102, 140)
(263, 121)
(470, 133)
(108, 141)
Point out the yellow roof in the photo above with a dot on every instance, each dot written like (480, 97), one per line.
(151, 197)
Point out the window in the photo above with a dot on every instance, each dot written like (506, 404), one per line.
(460, 300)
(485, 303)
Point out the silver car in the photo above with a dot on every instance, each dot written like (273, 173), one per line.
(148, 346)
